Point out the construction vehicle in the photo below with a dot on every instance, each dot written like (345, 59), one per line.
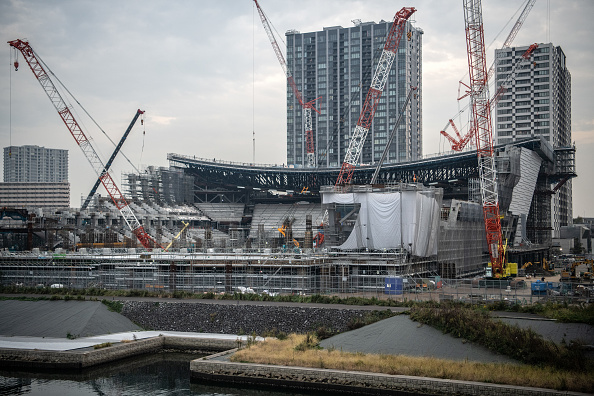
(38, 67)
(569, 274)
(113, 156)
(353, 153)
(283, 230)
(307, 106)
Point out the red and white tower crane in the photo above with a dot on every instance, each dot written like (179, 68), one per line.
(461, 141)
(481, 123)
(307, 106)
(37, 67)
(353, 153)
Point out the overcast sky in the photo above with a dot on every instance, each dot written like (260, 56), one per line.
(207, 77)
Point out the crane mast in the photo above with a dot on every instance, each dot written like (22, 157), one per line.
(481, 123)
(353, 153)
(83, 142)
(111, 159)
(458, 145)
(307, 106)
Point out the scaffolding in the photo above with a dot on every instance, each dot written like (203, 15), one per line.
(362, 274)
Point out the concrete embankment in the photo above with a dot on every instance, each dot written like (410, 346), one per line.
(348, 382)
(79, 359)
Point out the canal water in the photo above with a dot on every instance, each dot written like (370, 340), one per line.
(165, 373)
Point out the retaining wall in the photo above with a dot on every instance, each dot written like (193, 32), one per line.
(350, 382)
(81, 359)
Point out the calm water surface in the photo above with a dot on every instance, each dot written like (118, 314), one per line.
(166, 373)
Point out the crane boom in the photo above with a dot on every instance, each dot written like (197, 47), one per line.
(83, 142)
(110, 161)
(307, 106)
(353, 153)
(513, 33)
(458, 145)
(481, 122)
(385, 153)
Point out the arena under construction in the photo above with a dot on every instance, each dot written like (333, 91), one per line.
(224, 227)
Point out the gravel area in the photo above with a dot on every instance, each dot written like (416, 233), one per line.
(238, 318)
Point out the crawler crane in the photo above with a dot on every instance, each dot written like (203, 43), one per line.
(38, 68)
(481, 124)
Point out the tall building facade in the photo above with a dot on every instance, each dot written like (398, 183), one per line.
(337, 64)
(35, 177)
(34, 164)
(538, 103)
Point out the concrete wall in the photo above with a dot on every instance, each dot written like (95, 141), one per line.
(352, 382)
(81, 359)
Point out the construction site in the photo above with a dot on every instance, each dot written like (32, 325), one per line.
(462, 226)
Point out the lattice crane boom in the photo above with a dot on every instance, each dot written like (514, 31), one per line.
(83, 142)
(353, 153)
(461, 142)
(111, 159)
(307, 106)
(513, 33)
(481, 120)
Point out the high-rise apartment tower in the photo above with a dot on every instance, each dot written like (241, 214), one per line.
(538, 103)
(34, 164)
(338, 64)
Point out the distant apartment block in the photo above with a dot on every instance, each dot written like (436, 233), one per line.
(34, 164)
(35, 177)
(35, 195)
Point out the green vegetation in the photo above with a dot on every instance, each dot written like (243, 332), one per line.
(113, 306)
(560, 312)
(478, 326)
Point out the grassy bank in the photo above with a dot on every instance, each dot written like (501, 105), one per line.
(524, 345)
(302, 351)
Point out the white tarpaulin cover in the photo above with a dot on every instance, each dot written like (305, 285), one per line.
(407, 219)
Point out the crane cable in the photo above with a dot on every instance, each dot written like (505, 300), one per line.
(82, 107)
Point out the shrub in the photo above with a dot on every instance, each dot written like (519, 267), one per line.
(103, 345)
(477, 326)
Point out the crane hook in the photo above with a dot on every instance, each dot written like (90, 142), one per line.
(16, 65)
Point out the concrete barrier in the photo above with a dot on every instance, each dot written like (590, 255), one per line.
(75, 360)
(353, 382)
